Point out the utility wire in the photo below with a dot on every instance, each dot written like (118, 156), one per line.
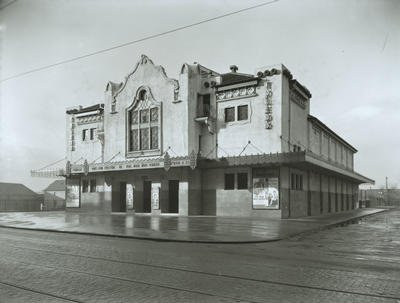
(137, 41)
(7, 4)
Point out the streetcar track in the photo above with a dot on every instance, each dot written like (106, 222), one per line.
(39, 292)
(287, 284)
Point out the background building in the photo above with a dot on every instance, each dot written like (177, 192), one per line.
(18, 197)
(54, 196)
(207, 144)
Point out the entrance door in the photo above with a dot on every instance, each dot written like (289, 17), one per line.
(173, 196)
(146, 196)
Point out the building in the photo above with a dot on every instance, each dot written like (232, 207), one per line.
(54, 196)
(18, 197)
(379, 197)
(207, 143)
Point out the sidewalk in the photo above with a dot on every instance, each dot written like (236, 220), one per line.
(202, 229)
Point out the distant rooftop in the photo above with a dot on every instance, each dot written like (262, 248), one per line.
(58, 185)
(15, 189)
(99, 106)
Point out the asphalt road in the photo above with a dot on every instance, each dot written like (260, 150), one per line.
(355, 263)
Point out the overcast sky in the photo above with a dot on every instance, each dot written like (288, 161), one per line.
(347, 53)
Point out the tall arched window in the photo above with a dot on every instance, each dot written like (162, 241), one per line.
(144, 121)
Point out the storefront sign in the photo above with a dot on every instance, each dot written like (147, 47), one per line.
(155, 195)
(266, 193)
(72, 193)
(129, 196)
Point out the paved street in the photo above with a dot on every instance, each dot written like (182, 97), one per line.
(354, 263)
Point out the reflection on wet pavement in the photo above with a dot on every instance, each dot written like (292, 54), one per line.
(178, 228)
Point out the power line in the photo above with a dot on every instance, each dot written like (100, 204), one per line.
(137, 41)
(7, 4)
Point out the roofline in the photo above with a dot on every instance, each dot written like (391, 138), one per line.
(239, 81)
(330, 131)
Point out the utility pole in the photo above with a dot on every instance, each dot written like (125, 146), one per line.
(386, 193)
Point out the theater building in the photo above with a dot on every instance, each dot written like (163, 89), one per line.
(207, 143)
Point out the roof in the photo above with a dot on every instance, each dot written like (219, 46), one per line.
(331, 132)
(58, 185)
(99, 106)
(15, 189)
(233, 78)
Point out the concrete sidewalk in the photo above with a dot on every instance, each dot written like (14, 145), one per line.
(202, 229)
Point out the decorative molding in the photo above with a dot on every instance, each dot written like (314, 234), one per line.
(268, 106)
(297, 98)
(89, 119)
(146, 60)
(236, 93)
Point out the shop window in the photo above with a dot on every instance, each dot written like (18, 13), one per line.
(242, 181)
(229, 114)
(242, 113)
(229, 181)
(85, 186)
(93, 185)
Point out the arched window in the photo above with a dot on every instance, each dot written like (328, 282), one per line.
(144, 126)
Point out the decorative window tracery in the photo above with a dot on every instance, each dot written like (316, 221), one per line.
(144, 125)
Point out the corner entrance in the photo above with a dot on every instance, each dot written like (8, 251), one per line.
(173, 196)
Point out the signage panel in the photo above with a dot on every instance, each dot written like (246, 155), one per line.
(129, 196)
(266, 193)
(72, 194)
(155, 195)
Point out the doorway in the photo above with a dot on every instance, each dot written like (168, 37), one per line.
(146, 196)
(173, 196)
(119, 198)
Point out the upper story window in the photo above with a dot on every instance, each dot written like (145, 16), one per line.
(144, 122)
(242, 112)
(236, 113)
(229, 114)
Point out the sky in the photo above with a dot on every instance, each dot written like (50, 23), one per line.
(345, 52)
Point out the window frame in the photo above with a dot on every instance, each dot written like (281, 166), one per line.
(244, 185)
(232, 186)
(238, 110)
(225, 114)
(143, 103)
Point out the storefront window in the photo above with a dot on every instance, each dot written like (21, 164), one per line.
(242, 181)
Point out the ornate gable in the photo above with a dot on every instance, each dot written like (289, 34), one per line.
(144, 63)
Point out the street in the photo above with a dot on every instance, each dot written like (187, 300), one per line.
(354, 263)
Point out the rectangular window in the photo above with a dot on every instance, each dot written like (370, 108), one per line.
(144, 138)
(144, 116)
(229, 181)
(154, 137)
(229, 114)
(84, 134)
(296, 181)
(85, 186)
(293, 181)
(242, 181)
(92, 133)
(93, 185)
(242, 112)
